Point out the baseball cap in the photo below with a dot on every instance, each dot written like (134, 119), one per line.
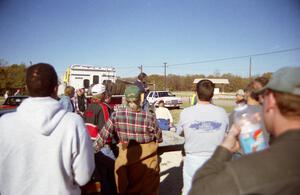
(98, 89)
(132, 93)
(285, 80)
(240, 92)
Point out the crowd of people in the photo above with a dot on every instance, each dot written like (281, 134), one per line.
(77, 145)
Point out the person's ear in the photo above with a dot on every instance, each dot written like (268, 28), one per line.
(269, 102)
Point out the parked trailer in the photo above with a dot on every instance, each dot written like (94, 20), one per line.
(83, 76)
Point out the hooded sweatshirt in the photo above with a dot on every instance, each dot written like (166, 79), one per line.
(44, 150)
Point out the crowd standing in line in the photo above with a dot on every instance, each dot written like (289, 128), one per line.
(44, 149)
(203, 126)
(60, 141)
(274, 170)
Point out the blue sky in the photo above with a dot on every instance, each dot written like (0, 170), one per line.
(127, 33)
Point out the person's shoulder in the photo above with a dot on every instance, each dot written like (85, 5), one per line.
(72, 117)
(218, 108)
(166, 109)
(94, 106)
(147, 114)
(190, 109)
(120, 108)
(186, 112)
(120, 112)
(160, 109)
(8, 117)
(62, 98)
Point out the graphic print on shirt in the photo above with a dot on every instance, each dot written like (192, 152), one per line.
(205, 126)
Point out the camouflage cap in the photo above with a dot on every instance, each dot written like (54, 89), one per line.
(132, 93)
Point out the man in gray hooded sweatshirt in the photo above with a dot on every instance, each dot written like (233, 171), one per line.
(44, 149)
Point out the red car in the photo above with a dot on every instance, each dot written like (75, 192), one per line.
(11, 103)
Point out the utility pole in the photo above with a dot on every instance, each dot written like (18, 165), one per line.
(141, 68)
(250, 68)
(165, 66)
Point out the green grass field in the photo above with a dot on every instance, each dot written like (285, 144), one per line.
(176, 112)
(1, 100)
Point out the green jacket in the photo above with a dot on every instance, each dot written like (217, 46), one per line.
(275, 170)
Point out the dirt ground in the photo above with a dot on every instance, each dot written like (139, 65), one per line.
(171, 173)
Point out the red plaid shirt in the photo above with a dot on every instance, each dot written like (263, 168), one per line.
(129, 125)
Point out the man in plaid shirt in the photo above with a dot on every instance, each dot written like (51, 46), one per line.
(137, 167)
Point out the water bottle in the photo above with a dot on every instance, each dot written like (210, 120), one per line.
(251, 136)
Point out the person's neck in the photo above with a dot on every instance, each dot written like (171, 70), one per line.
(203, 102)
(96, 100)
(285, 124)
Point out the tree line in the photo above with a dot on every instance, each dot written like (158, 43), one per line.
(185, 83)
(12, 77)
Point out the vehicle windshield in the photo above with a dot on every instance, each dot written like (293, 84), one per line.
(165, 94)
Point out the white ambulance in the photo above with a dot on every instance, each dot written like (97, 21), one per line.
(83, 76)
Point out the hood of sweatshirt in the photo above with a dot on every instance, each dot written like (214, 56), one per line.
(41, 114)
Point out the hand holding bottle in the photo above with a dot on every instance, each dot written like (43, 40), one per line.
(231, 141)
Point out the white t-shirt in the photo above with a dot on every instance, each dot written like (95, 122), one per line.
(163, 113)
(204, 127)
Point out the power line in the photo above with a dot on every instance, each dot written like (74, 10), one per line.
(237, 57)
(217, 59)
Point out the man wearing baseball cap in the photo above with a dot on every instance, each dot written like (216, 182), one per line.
(274, 170)
(137, 166)
(95, 118)
(97, 112)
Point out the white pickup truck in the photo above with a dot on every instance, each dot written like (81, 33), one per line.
(169, 99)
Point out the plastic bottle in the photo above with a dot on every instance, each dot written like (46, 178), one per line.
(251, 136)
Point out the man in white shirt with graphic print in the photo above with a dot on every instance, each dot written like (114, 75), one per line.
(203, 126)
